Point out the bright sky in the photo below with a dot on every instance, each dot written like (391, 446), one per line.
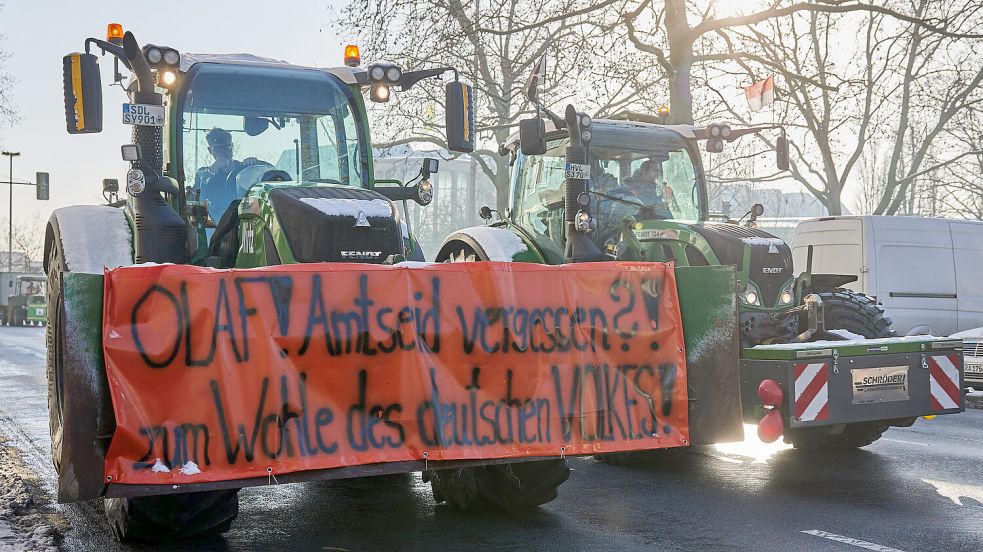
(38, 34)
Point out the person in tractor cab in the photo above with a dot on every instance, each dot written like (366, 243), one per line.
(640, 195)
(645, 187)
(217, 181)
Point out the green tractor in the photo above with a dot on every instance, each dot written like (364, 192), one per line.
(236, 162)
(26, 305)
(587, 190)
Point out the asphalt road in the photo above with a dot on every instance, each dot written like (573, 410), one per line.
(919, 488)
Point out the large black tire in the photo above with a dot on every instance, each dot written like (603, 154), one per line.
(508, 487)
(854, 312)
(52, 339)
(172, 517)
(854, 436)
(845, 309)
(147, 518)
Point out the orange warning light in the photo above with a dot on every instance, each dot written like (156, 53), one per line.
(114, 33)
(352, 57)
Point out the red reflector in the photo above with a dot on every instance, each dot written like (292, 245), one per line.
(770, 392)
(771, 426)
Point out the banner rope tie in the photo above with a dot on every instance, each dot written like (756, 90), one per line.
(270, 478)
(426, 460)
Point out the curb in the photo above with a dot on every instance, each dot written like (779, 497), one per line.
(974, 401)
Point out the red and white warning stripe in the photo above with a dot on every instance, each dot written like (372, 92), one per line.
(812, 391)
(943, 371)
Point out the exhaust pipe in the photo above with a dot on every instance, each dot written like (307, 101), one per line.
(159, 233)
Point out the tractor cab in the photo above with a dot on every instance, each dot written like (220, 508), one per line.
(242, 161)
(245, 124)
(648, 174)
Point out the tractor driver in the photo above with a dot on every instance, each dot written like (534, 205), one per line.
(646, 187)
(216, 181)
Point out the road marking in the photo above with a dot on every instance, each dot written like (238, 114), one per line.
(850, 540)
(903, 441)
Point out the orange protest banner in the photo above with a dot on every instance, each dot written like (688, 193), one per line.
(226, 374)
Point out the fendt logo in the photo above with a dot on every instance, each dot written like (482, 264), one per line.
(772, 270)
(361, 255)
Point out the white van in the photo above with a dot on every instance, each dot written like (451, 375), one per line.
(927, 273)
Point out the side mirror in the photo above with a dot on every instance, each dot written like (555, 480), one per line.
(485, 212)
(459, 107)
(83, 93)
(42, 186)
(532, 136)
(757, 210)
(781, 153)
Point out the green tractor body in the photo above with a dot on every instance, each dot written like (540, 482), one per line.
(638, 193)
(236, 162)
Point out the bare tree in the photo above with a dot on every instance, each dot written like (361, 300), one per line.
(7, 112)
(664, 30)
(894, 78)
(494, 44)
(28, 243)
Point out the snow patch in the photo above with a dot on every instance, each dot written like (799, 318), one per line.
(847, 334)
(94, 237)
(975, 333)
(341, 207)
(867, 342)
(499, 245)
(718, 337)
(159, 467)
(415, 264)
(113, 334)
(190, 468)
(27, 522)
(405, 229)
(764, 241)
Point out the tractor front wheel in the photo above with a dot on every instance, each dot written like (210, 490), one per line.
(508, 487)
(845, 309)
(177, 516)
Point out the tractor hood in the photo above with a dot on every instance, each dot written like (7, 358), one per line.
(770, 260)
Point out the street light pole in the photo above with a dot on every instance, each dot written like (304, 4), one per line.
(10, 217)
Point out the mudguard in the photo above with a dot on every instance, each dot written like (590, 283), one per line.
(708, 306)
(492, 244)
(91, 237)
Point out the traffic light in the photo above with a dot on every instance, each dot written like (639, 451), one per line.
(42, 186)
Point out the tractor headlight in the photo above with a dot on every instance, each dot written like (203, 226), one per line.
(136, 182)
(424, 193)
(787, 295)
(751, 295)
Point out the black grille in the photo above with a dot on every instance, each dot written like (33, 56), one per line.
(317, 237)
(727, 243)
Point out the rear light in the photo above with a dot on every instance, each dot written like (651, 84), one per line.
(771, 426)
(770, 392)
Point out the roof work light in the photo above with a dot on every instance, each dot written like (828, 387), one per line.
(352, 57)
(114, 33)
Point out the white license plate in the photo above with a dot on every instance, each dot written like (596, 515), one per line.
(974, 368)
(578, 171)
(143, 115)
